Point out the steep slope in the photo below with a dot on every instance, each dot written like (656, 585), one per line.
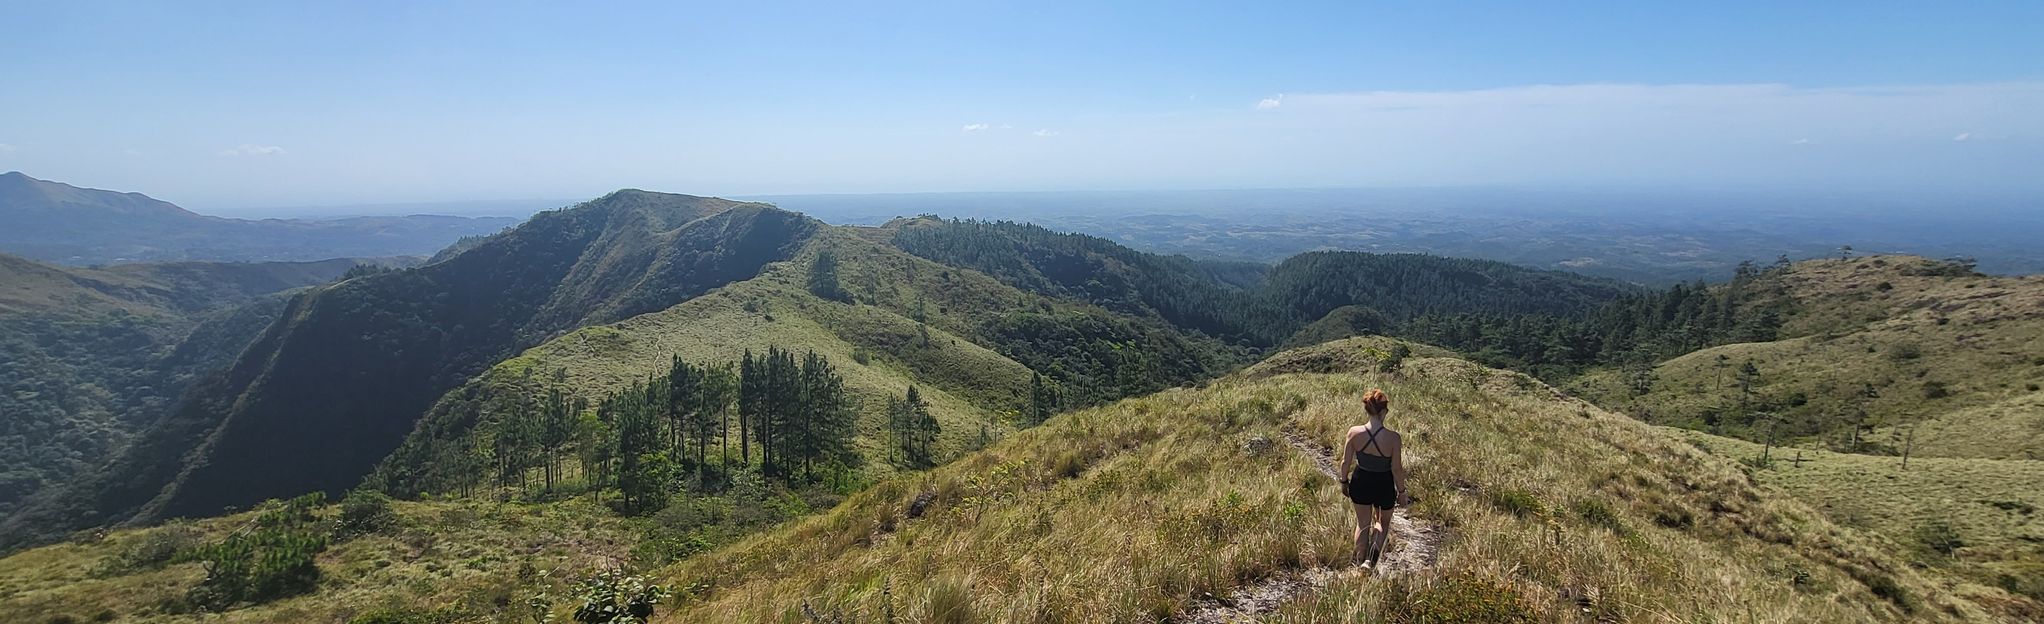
(57, 222)
(338, 382)
(902, 321)
(1877, 344)
(1555, 510)
(88, 356)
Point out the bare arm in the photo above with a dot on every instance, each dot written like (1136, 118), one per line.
(1348, 457)
(1398, 472)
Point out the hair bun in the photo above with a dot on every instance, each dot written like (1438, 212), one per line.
(1375, 401)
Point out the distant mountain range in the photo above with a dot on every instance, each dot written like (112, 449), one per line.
(57, 222)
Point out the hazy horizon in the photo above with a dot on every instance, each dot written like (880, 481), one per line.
(236, 108)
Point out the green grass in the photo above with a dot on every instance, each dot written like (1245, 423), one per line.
(480, 560)
(1956, 354)
(1127, 511)
(1995, 507)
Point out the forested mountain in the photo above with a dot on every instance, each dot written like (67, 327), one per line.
(88, 356)
(1232, 301)
(57, 222)
(337, 383)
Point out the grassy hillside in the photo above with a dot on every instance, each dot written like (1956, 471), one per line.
(466, 558)
(1544, 509)
(1554, 510)
(1977, 517)
(336, 384)
(958, 355)
(1882, 344)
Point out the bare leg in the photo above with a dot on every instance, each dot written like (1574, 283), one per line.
(1365, 525)
(1383, 535)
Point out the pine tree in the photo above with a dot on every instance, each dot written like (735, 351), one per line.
(718, 389)
(823, 280)
(684, 401)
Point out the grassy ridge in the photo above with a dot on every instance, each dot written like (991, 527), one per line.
(1127, 511)
(1961, 354)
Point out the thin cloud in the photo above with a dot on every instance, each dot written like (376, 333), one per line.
(1045, 132)
(1963, 136)
(975, 127)
(1271, 102)
(1800, 142)
(4, 148)
(250, 149)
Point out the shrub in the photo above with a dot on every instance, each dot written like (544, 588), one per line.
(271, 558)
(615, 597)
(363, 512)
(1595, 512)
(1904, 351)
(1460, 597)
(152, 550)
(1935, 390)
(1395, 359)
(1517, 502)
(1939, 537)
(405, 615)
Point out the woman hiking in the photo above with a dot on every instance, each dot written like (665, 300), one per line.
(1372, 460)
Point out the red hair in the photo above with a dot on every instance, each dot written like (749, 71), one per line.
(1375, 402)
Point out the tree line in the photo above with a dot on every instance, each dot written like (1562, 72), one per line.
(786, 415)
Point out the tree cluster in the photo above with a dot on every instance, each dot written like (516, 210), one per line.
(793, 412)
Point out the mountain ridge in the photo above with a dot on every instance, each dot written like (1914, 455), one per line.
(58, 222)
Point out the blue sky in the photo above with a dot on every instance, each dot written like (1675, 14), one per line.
(236, 105)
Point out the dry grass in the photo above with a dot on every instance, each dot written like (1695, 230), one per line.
(1994, 507)
(479, 560)
(1553, 510)
(1128, 511)
(1978, 341)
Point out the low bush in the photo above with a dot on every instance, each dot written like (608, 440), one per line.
(364, 512)
(1459, 598)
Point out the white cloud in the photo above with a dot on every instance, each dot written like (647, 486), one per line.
(250, 149)
(1963, 136)
(1800, 142)
(1271, 102)
(1045, 132)
(975, 127)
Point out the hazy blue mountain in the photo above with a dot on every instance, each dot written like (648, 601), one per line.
(57, 222)
(1647, 236)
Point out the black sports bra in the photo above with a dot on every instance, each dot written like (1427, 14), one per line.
(1372, 463)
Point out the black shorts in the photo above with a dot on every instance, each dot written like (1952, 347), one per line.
(1372, 488)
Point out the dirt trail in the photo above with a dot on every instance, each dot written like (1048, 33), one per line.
(1413, 548)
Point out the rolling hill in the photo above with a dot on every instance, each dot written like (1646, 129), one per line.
(1886, 345)
(57, 222)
